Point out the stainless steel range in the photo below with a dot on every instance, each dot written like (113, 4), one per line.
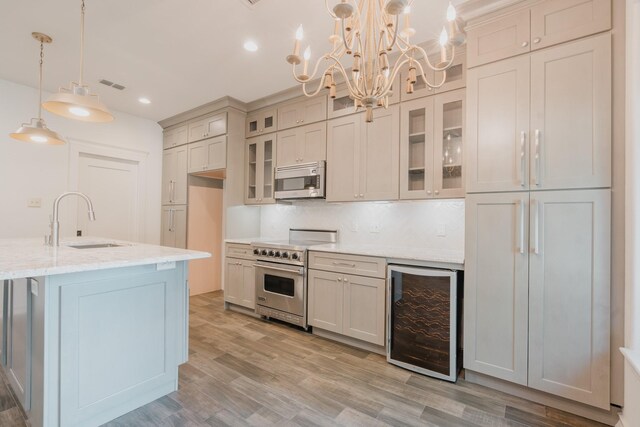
(281, 274)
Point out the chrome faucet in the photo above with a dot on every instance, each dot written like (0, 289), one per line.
(54, 238)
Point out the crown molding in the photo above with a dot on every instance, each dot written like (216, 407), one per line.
(223, 103)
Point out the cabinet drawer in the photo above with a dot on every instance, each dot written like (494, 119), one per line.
(237, 250)
(351, 264)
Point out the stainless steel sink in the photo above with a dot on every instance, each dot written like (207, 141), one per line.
(95, 245)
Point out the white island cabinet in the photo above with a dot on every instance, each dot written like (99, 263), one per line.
(90, 334)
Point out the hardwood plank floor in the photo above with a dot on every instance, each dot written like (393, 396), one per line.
(246, 372)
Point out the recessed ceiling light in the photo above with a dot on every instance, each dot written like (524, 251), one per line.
(250, 45)
(144, 100)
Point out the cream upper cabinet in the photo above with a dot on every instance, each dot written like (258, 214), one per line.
(208, 127)
(363, 158)
(449, 147)
(174, 226)
(498, 126)
(496, 288)
(261, 122)
(326, 297)
(260, 155)
(570, 137)
(569, 285)
(364, 308)
(175, 137)
(302, 112)
(379, 156)
(557, 21)
(302, 144)
(174, 176)
(208, 155)
(416, 149)
(499, 38)
(343, 158)
(341, 105)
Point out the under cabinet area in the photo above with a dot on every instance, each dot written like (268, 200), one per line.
(350, 304)
(260, 155)
(240, 276)
(303, 144)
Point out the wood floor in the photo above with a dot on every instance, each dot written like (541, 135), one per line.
(246, 372)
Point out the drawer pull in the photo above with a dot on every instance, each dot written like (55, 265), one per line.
(344, 264)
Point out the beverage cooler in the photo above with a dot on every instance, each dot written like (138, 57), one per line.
(424, 323)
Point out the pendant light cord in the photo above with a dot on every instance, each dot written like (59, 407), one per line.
(81, 43)
(40, 82)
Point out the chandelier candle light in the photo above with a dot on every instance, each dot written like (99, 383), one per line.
(77, 103)
(37, 131)
(368, 31)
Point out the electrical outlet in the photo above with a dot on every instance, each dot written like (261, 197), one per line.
(375, 228)
(34, 203)
(441, 230)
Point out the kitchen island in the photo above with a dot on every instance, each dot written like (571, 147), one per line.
(94, 328)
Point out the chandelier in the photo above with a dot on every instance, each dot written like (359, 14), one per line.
(369, 32)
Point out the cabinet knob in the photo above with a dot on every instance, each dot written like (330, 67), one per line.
(297, 121)
(346, 280)
(339, 279)
(525, 44)
(302, 121)
(429, 192)
(361, 195)
(537, 40)
(437, 192)
(355, 196)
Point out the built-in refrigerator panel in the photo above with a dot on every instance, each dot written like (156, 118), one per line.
(423, 320)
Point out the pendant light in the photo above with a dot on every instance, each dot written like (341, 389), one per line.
(37, 131)
(76, 102)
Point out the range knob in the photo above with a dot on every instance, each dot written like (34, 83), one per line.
(263, 252)
(294, 256)
(256, 252)
(277, 254)
(271, 253)
(285, 255)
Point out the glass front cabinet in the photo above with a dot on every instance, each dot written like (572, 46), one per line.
(260, 157)
(432, 147)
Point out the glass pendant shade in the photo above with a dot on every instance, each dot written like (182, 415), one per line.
(37, 132)
(78, 104)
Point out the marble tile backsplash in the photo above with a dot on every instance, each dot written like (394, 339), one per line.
(411, 223)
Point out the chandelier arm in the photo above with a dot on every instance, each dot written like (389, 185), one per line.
(426, 81)
(434, 68)
(395, 32)
(396, 69)
(333, 15)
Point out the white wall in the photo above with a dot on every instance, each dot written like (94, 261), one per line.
(412, 223)
(36, 171)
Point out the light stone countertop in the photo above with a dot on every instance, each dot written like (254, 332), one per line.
(445, 256)
(244, 240)
(21, 258)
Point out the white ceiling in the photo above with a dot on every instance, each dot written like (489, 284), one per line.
(178, 53)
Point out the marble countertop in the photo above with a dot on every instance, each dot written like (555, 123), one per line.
(244, 240)
(30, 257)
(445, 256)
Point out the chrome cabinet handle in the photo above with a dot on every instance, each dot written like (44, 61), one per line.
(538, 143)
(344, 264)
(536, 226)
(171, 220)
(521, 227)
(523, 143)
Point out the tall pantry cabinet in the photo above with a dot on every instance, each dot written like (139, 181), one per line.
(538, 206)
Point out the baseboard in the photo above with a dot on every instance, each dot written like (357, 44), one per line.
(353, 342)
(611, 417)
(240, 309)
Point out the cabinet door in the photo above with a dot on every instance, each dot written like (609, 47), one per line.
(168, 139)
(215, 125)
(289, 115)
(449, 147)
(174, 227)
(312, 142)
(288, 151)
(364, 308)
(379, 156)
(19, 345)
(456, 75)
(341, 105)
(569, 311)
(313, 110)
(268, 146)
(498, 39)
(269, 120)
(168, 236)
(197, 131)
(174, 176)
(233, 281)
(216, 153)
(253, 170)
(343, 144)
(496, 285)
(497, 126)
(252, 127)
(571, 115)
(326, 295)
(558, 21)
(175, 137)
(248, 285)
(416, 149)
(198, 158)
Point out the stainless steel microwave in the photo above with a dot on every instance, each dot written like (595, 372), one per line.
(301, 181)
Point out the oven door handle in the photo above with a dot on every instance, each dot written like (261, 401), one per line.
(298, 270)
